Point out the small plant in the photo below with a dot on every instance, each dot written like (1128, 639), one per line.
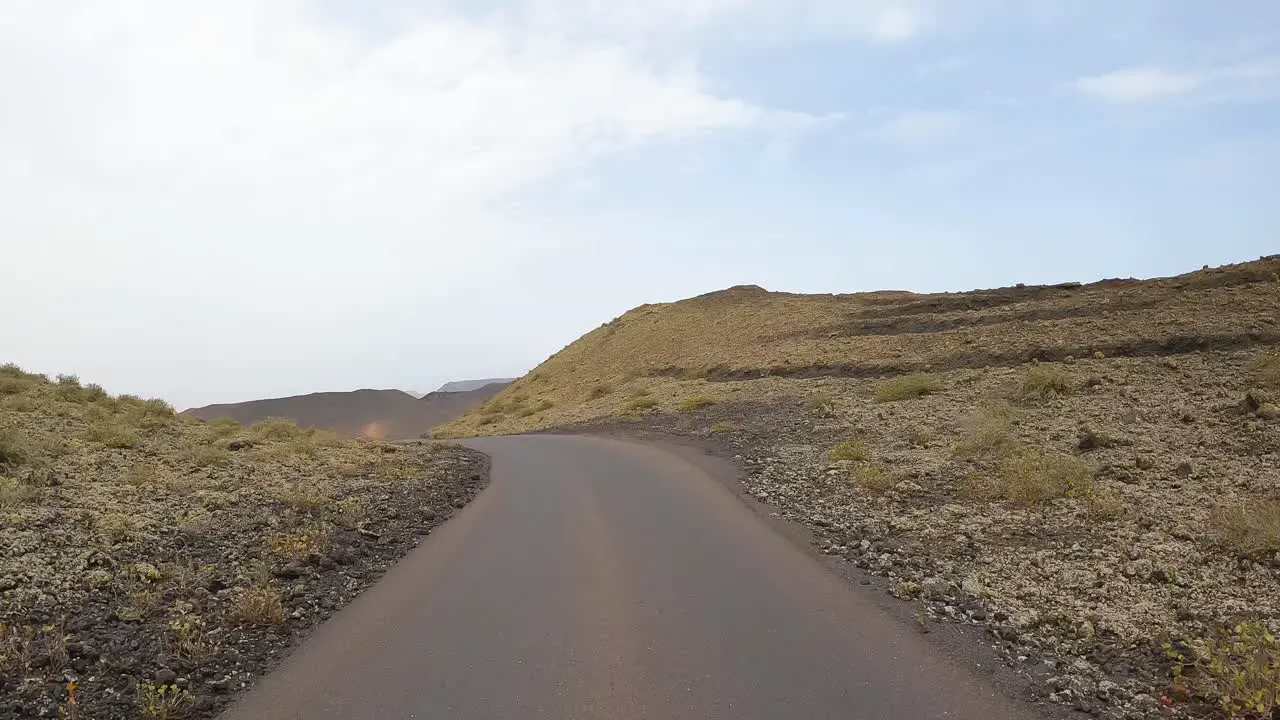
(599, 391)
(695, 403)
(304, 497)
(302, 543)
(920, 436)
(163, 702)
(117, 527)
(723, 426)
(1043, 382)
(258, 607)
(70, 708)
(14, 493)
(1250, 529)
(849, 450)
(222, 429)
(1237, 667)
(190, 642)
(873, 478)
(907, 387)
(823, 405)
(1266, 366)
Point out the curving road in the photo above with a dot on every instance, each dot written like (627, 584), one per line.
(602, 579)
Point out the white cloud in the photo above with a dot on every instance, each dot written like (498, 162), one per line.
(1138, 84)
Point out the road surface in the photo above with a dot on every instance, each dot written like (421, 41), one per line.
(602, 579)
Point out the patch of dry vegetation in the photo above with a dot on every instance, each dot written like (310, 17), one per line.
(118, 508)
(907, 387)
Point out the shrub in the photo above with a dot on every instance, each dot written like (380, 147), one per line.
(1266, 366)
(13, 493)
(695, 403)
(15, 385)
(302, 543)
(207, 456)
(113, 434)
(1237, 667)
(258, 607)
(276, 430)
(19, 403)
(1043, 382)
(1031, 476)
(117, 527)
(191, 643)
(1103, 505)
(723, 426)
(823, 405)
(1250, 529)
(163, 702)
(15, 448)
(873, 478)
(849, 450)
(222, 428)
(907, 387)
(599, 391)
(641, 403)
(988, 433)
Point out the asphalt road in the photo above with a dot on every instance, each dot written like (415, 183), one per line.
(602, 579)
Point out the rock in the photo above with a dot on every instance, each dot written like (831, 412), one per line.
(935, 588)
(1268, 411)
(1092, 381)
(1099, 355)
(165, 676)
(1140, 569)
(1183, 469)
(1254, 400)
(290, 571)
(1143, 462)
(1130, 416)
(1088, 440)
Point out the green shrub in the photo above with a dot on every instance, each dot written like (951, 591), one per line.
(849, 450)
(907, 387)
(1238, 668)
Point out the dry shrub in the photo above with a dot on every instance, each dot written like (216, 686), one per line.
(303, 497)
(1043, 382)
(113, 434)
(16, 449)
(117, 527)
(276, 430)
(641, 403)
(599, 391)
(988, 433)
(207, 456)
(873, 478)
(222, 428)
(190, 642)
(258, 607)
(1250, 529)
(1102, 505)
(849, 450)
(907, 387)
(13, 493)
(1031, 476)
(695, 403)
(302, 543)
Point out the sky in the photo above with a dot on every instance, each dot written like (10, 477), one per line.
(214, 202)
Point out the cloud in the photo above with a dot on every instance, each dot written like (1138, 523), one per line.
(924, 129)
(1138, 85)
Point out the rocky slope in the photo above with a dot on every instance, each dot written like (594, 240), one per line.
(153, 565)
(1089, 471)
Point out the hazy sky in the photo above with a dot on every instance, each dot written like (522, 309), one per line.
(217, 201)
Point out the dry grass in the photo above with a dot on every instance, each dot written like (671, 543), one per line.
(907, 387)
(695, 403)
(1251, 529)
(988, 433)
(640, 404)
(258, 607)
(1031, 476)
(1043, 382)
(872, 478)
(850, 450)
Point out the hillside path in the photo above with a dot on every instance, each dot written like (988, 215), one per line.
(601, 579)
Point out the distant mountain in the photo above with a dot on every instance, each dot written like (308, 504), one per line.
(465, 385)
(387, 414)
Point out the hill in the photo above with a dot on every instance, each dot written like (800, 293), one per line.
(465, 385)
(385, 414)
(139, 546)
(1088, 470)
